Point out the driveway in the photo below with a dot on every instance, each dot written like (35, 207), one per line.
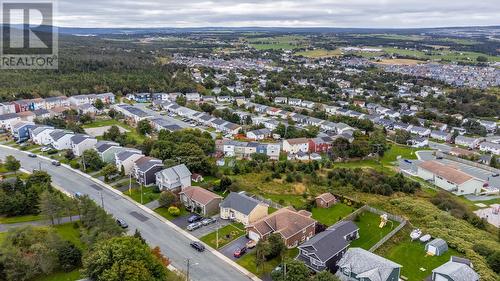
(230, 248)
(182, 221)
(204, 230)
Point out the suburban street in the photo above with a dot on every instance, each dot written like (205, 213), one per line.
(174, 245)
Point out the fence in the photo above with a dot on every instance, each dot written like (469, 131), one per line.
(366, 208)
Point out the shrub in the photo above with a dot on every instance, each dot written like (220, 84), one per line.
(75, 165)
(174, 211)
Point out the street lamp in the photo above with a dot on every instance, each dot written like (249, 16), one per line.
(188, 265)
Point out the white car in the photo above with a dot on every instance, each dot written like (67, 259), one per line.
(194, 225)
(45, 149)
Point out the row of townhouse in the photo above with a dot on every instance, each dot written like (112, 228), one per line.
(203, 118)
(241, 149)
(53, 102)
(294, 102)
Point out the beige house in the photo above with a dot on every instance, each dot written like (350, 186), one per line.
(242, 208)
(200, 200)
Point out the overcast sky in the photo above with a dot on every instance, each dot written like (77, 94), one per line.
(270, 13)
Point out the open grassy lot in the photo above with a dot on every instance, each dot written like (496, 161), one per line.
(329, 216)
(226, 234)
(399, 61)
(148, 194)
(2, 237)
(162, 211)
(287, 42)
(320, 53)
(62, 276)
(369, 231)
(248, 262)
(132, 133)
(70, 233)
(411, 255)
(396, 150)
(26, 218)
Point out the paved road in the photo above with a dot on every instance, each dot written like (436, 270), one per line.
(204, 266)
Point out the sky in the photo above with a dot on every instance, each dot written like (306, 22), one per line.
(270, 13)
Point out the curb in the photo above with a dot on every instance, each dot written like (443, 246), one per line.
(144, 208)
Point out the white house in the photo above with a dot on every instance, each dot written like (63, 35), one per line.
(61, 139)
(41, 135)
(420, 131)
(449, 178)
(125, 160)
(259, 134)
(295, 145)
(228, 148)
(80, 143)
(491, 147)
(440, 135)
(173, 178)
(7, 119)
(467, 141)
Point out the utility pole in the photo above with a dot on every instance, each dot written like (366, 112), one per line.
(141, 194)
(102, 200)
(217, 235)
(83, 162)
(130, 184)
(39, 165)
(187, 270)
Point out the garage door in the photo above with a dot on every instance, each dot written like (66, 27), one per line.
(431, 250)
(254, 236)
(440, 278)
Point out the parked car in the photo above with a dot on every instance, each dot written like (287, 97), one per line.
(208, 221)
(45, 149)
(251, 244)
(32, 155)
(198, 246)
(121, 223)
(56, 163)
(78, 194)
(194, 225)
(240, 252)
(194, 218)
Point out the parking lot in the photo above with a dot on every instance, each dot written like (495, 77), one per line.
(182, 222)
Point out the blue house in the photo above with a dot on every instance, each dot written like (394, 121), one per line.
(262, 148)
(21, 130)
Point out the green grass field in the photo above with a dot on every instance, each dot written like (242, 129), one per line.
(248, 262)
(162, 211)
(148, 194)
(132, 133)
(70, 233)
(287, 42)
(369, 231)
(17, 219)
(329, 216)
(2, 237)
(320, 53)
(412, 256)
(61, 276)
(226, 234)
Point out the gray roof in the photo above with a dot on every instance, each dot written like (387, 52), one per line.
(176, 172)
(123, 155)
(366, 264)
(57, 134)
(457, 271)
(240, 202)
(78, 138)
(438, 243)
(328, 243)
(145, 163)
(41, 111)
(40, 129)
(8, 116)
(104, 145)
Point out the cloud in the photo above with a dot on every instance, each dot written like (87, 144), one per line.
(269, 13)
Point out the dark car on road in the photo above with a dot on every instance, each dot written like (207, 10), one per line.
(56, 163)
(198, 246)
(32, 155)
(121, 223)
(240, 252)
(194, 218)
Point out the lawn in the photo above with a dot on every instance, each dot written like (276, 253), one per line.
(369, 231)
(148, 194)
(287, 42)
(132, 133)
(2, 237)
(70, 233)
(17, 219)
(392, 154)
(412, 256)
(248, 262)
(226, 234)
(61, 276)
(320, 53)
(329, 216)
(162, 211)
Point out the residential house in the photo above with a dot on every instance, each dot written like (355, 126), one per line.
(325, 200)
(174, 178)
(293, 146)
(200, 200)
(125, 160)
(21, 130)
(231, 128)
(449, 178)
(60, 139)
(273, 150)
(418, 142)
(37, 103)
(456, 269)
(420, 131)
(467, 141)
(132, 113)
(87, 108)
(7, 107)
(22, 105)
(106, 98)
(358, 264)
(440, 135)
(280, 100)
(41, 135)
(145, 169)
(323, 251)
(259, 134)
(26, 116)
(81, 99)
(307, 104)
(159, 97)
(107, 150)
(490, 147)
(242, 208)
(490, 126)
(41, 113)
(294, 102)
(193, 97)
(320, 144)
(81, 142)
(229, 148)
(60, 101)
(294, 227)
